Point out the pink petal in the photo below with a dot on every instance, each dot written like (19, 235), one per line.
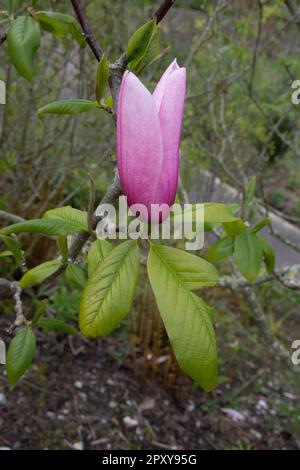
(161, 85)
(139, 140)
(170, 116)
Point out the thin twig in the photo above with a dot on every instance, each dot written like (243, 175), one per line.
(163, 10)
(87, 30)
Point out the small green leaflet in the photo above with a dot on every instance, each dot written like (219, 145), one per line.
(143, 46)
(20, 354)
(102, 78)
(108, 293)
(13, 245)
(10, 6)
(186, 317)
(268, 254)
(249, 191)
(39, 273)
(76, 275)
(54, 324)
(41, 309)
(23, 40)
(248, 253)
(220, 250)
(98, 250)
(233, 228)
(71, 106)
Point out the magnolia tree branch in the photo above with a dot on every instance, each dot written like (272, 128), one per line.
(289, 277)
(87, 30)
(163, 10)
(12, 289)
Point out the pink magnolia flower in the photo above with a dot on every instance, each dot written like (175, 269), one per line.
(148, 137)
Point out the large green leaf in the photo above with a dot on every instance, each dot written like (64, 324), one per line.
(108, 294)
(60, 24)
(193, 271)
(98, 250)
(248, 254)
(20, 354)
(39, 273)
(69, 214)
(53, 226)
(186, 317)
(71, 106)
(143, 46)
(23, 40)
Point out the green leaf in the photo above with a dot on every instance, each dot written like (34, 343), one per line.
(13, 245)
(108, 102)
(218, 212)
(68, 214)
(60, 24)
(5, 253)
(54, 324)
(72, 107)
(76, 275)
(143, 46)
(10, 6)
(220, 250)
(108, 293)
(20, 354)
(102, 78)
(186, 318)
(23, 40)
(268, 254)
(193, 271)
(98, 250)
(249, 191)
(248, 254)
(261, 224)
(53, 226)
(213, 212)
(52, 26)
(41, 309)
(39, 273)
(234, 228)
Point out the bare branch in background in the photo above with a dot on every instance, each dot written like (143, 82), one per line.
(293, 11)
(11, 218)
